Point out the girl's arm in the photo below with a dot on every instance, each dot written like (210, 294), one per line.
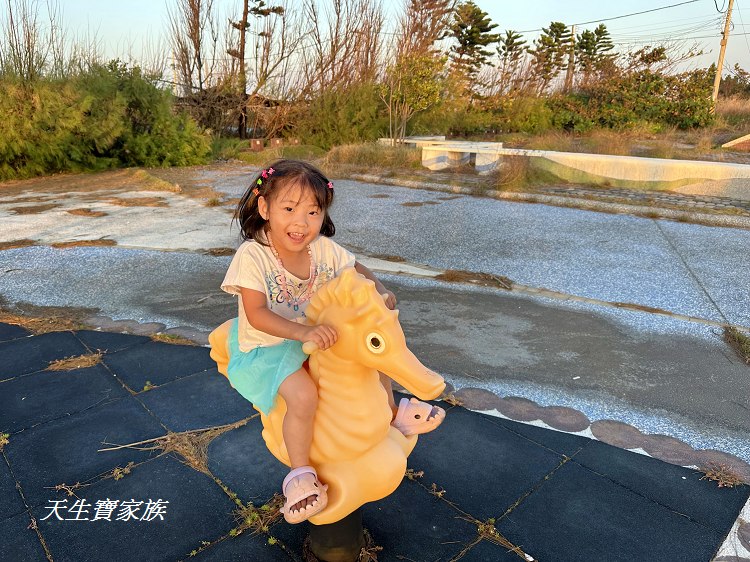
(263, 319)
(390, 297)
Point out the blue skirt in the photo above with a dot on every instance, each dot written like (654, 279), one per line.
(258, 374)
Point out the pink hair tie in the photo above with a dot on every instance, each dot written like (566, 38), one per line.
(330, 185)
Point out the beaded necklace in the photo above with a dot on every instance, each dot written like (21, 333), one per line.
(285, 292)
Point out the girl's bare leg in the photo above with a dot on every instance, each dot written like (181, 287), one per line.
(301, 397)
(387, 383)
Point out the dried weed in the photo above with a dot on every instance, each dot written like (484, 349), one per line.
(41, 325)
(172, 338)
(138, 201)
(722, 474)
(23, 243)
(739, 341)
(79, 362)
(80, 243)
(477, 278)
(35, 210)
(220, 251)
(86, 212)
(192, 446)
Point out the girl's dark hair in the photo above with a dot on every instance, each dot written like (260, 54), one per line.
(285, 172)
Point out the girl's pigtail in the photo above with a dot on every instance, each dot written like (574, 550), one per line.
(247, 214)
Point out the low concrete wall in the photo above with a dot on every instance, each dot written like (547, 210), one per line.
(685, 176)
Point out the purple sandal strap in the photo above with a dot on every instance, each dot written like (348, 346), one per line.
(295, 472)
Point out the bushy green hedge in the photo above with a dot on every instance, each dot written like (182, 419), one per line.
(342, 116)
(106, 117)
(682, 100)
(621, 102)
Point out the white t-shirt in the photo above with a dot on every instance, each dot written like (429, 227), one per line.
(255, 267)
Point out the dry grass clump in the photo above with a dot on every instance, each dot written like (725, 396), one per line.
(341, 159)
(258, 519)
(739, 341)
(86, 212)
(172, 338)
(476, 277)
(220, 251)
(451, 399)
(147, 182)
(40, 325)
(512, 173)
(734, 110)
(557, 141)
(33, 210)
(722, 474)
(138, 201)
(606, 141)
(22, 243)
(192, 445)
(77, 243)
(78, 362)
(264, 157)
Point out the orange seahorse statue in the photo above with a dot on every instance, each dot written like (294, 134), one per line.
(355, 449)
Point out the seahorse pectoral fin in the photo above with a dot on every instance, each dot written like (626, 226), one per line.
(410, 373)
(370, 477)
(219, 341)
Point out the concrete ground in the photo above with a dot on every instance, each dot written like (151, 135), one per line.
(112, 461)
(612, 329)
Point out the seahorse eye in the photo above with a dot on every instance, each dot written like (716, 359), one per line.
(375, 343)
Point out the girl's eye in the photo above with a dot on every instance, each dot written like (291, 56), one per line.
(316, 213)
(288, 209)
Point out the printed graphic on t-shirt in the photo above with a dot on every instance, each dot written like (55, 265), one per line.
(275, 287)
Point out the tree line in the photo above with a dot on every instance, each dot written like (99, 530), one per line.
(333, 72)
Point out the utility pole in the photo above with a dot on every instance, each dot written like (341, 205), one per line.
(571, 60)
(722, 52)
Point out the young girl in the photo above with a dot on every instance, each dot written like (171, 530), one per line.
(275, 271)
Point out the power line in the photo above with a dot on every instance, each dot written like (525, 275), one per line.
(702, 20)
(622, 16)
(739, 13)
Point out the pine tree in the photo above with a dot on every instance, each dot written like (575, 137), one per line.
(511, 51)
(471, 28)
(593, 52)
(550, 53)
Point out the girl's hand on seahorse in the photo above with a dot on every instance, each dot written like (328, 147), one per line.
(390, 299)
(322, 336)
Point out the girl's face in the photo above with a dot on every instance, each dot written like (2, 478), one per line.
(294, 218)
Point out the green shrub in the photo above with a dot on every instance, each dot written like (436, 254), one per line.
(570, 113)
(336, 117)
(223, 148)
(682, 100)
(528, 115)
(108, 116)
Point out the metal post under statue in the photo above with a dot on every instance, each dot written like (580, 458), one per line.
(341, 541)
